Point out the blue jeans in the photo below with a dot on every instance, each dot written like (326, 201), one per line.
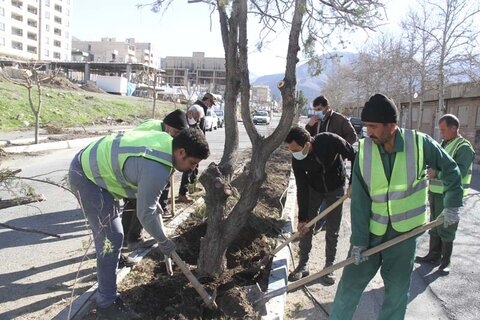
(103, 215)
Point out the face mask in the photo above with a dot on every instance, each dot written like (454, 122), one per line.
(192, 121)
(320, 114)
(299, 154)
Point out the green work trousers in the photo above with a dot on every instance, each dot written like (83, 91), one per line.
(396, 265)
(436, 207)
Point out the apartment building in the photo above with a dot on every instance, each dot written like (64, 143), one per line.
(204, 73)
(36, 29)
(111, 50)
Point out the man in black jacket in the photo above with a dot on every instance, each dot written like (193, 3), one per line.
(206, 103)
(319, 172)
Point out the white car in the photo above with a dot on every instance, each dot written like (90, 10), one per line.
(261, 117)
(211, 120)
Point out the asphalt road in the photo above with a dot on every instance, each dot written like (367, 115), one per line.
(38, 271)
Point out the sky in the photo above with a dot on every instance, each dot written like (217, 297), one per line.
(185, 28)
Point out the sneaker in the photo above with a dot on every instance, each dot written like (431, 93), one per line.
(125, 261)
(300, 272)
(184, 199)
(117, 311)
(328, 279)
(143, 243)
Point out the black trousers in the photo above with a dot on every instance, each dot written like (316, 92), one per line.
(132, 228)
(188, 177)
(318, 202)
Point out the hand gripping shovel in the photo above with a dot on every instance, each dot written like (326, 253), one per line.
(329, 209)
(209, 301)
(257, 297)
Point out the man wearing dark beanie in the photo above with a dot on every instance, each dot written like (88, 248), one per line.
(389, 192)
(173, 123)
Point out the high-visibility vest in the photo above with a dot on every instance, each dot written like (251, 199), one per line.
(436, 185)
(403, 199)
(150, 125)
(103, 160)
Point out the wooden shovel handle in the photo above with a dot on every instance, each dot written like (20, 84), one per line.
(366, 253)
(209, 301)
(309, 224)
(351, 260)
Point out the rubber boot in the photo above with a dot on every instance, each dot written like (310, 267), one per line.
(434, 251)
(447, 248)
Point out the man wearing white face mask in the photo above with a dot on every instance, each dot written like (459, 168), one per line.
(327, 120)
(320, 177)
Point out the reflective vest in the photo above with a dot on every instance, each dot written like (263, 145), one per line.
(150, 125)
(103, 160)
(436, 185)
(403, 199)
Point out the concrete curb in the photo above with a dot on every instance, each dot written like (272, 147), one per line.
(275, 307)
(83, 304)
(66, 144)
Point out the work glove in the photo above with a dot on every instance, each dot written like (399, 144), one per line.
(301, 228)
(450, 216)
(356, 253)
(167, 247)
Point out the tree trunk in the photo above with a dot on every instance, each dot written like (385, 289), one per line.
(223, 227)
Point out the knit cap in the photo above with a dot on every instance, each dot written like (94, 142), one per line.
(176, 119)
(379, 109)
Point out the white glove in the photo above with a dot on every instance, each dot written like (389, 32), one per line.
(356, 253)
(450, 216)
(167, 247)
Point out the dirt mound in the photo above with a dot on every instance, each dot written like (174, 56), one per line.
(91, 87)
(61, 83)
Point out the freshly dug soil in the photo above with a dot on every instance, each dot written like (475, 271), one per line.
(155, 295)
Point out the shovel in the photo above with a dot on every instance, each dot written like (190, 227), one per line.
(209, 301)
(297, 234)
(258, 298)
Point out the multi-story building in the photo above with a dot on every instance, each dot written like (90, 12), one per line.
(204, 73)
(111, 50)
(36, 29)
(261, 97)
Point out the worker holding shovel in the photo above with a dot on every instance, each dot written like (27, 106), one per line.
(389, 196)
(320, 176)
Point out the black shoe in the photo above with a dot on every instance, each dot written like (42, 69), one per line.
(434, 252)
(431, 258)
(125, 261)
(328, 279)
(117, 311)
(300, 272)
(444, 268)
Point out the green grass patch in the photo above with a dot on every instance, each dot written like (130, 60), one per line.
(67, 108)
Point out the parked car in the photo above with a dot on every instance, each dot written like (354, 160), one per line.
(261, 117)
(211, 120)
(221, 118)
(357, 125)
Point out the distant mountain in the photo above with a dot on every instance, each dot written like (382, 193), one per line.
(311, 86)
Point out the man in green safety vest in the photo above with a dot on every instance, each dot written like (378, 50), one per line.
(133, 165)
(389, 196)
(461, 150)
(172, 123)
